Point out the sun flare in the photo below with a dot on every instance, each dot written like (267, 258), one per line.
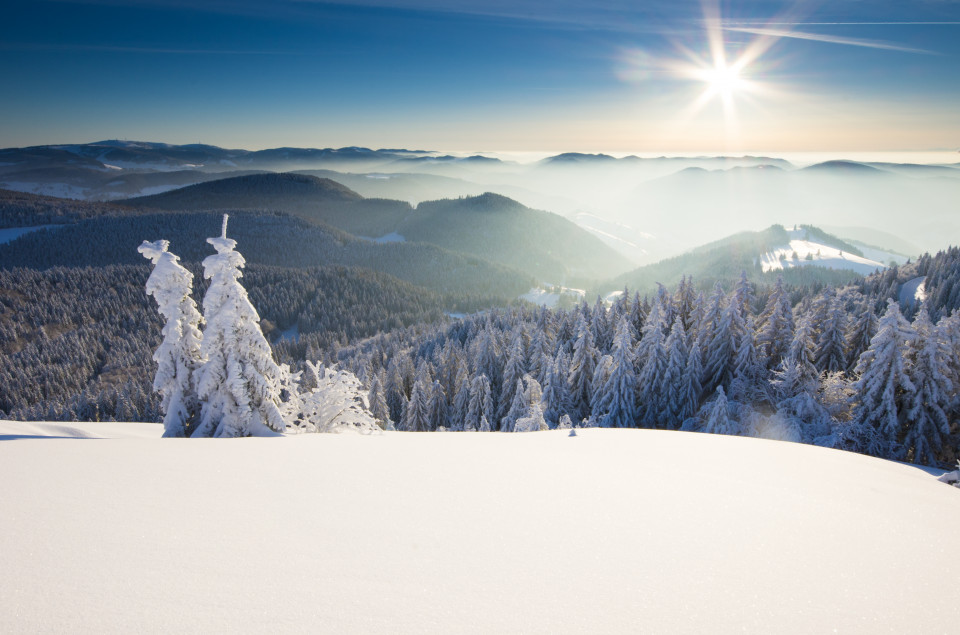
(723, 79)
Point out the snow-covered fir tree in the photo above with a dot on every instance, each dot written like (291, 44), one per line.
(416, 416)
(775, 326)
(518, 408)
(532, 419)
(720, 358)
(378, 402)
(860, 332)
(927, 423)
(717, 419)
(832, 343)
(179, 355)
(513, 372)
(480, 408)
(615, 405)
(239, 384)
(439, 409)
(884, 387)
(556, 395)
(652, 360)
(582, 367)
(674, 392)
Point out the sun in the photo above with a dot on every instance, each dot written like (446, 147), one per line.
(722, 79)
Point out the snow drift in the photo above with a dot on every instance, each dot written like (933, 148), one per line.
(608, 531)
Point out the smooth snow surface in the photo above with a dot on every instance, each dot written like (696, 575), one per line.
(913, 291)
(820, 256)
(611, 531)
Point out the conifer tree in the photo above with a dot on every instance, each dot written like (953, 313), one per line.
(378, 402)
(600, 326)
(178, 356)
(518, 408)
(480, 408)
(461, 400)
(720, 356)
(416, 416)
(394, 393)
(616, 402)
(927, 423)
(582, 368)
(673, 393)
(775, 326)
(556, 397)
(532, 419)
(861, 332)
(884, 387)
(801, 356)
(600, 377)
(239, 384)
(749, 383)
(652, 360)
(832, 344)
(513, 372)
(718, 420)
(439, 412)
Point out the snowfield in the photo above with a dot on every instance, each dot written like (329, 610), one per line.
(820, 255)
(608, 531)
(550, 295)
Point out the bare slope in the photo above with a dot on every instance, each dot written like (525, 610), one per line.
(610, 531)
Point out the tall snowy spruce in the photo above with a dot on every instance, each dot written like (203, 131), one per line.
(178, 356)
(615, 404)
(927, 423)
(582, 367)
(239, 384)
(884, 387)
(717, 419)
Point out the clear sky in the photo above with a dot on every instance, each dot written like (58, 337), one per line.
(550, 75)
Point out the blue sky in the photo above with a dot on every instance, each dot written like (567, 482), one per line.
(495, 75)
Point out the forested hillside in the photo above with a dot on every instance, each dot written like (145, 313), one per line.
(77, 342)
(488, 226)
(769, 361)
(18, 209)
(502, 230)
(264, 238)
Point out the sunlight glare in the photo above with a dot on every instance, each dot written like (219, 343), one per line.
(722, 79)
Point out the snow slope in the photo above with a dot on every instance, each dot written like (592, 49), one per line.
(9, 234)
(608, 531)
(820, 256)
(550, 295)
(913, 290)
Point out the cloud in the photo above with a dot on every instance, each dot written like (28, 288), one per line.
(832, 39)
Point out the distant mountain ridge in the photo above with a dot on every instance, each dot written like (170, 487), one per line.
(488, 226)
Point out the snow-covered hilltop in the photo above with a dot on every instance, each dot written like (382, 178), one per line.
(610, 531)
(803, 251)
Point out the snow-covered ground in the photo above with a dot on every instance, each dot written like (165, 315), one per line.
(550, 295)
(880, 255)
(610, 531)
(819, 255)
(9, 234)
(913, 290)
(60, 190)
(392, 237)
